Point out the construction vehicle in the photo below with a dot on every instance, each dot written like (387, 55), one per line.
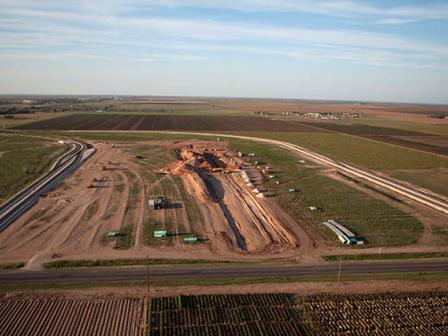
(155, 203)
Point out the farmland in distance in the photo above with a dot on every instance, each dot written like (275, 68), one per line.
(166, 122)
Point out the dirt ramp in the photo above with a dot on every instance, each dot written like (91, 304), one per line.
(234, 217)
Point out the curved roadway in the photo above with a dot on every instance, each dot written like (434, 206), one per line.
(18, 204)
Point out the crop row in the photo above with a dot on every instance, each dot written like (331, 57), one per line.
(372, 314)
(242, 329)
(70, 316)
(221, 315)
(249, 314)
(221, 301)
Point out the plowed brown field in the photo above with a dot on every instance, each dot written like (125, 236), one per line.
(165, 122)
(42, 316)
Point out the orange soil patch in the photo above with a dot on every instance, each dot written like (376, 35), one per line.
(235, 217)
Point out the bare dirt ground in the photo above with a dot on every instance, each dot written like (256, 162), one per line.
(109, 193)
(349, 287)
(237, 215)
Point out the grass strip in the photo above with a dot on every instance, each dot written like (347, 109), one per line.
(128, 262)
(11, 266)
(387, 256)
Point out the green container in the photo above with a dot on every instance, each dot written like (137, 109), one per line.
(159, 234)
(112, 234)
(190, 239)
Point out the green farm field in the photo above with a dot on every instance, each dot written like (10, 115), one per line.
(374, 220)
(362, 152)
(417, 167)
(23, 159)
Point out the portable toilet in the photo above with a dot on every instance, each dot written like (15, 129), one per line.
(192, 239)
(160, 234)
(112, 233)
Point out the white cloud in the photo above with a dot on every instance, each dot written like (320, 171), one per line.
(103, 27)
(394, 21)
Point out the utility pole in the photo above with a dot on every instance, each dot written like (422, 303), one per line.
(147, 274)
(339, 269)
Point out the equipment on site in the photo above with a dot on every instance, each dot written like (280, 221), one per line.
(191, 239)
(160, 234)
(155, 203)
(113, 234)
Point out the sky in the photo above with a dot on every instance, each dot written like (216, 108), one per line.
(304, 49)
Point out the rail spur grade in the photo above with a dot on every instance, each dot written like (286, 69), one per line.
(19, 203)
(426, 198)
(29, 315)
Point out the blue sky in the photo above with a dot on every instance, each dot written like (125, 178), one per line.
(357, 50)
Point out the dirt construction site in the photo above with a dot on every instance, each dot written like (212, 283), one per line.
(206, 202)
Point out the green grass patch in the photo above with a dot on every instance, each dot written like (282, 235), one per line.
(119, 187)
(11, 266)
(191, 206)
(387, 256)
(126, 239)
(360, 151)
(129, 262)
(20, 166)
(435, 179)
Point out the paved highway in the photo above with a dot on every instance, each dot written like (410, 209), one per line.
(14, 207)
(171, 272)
